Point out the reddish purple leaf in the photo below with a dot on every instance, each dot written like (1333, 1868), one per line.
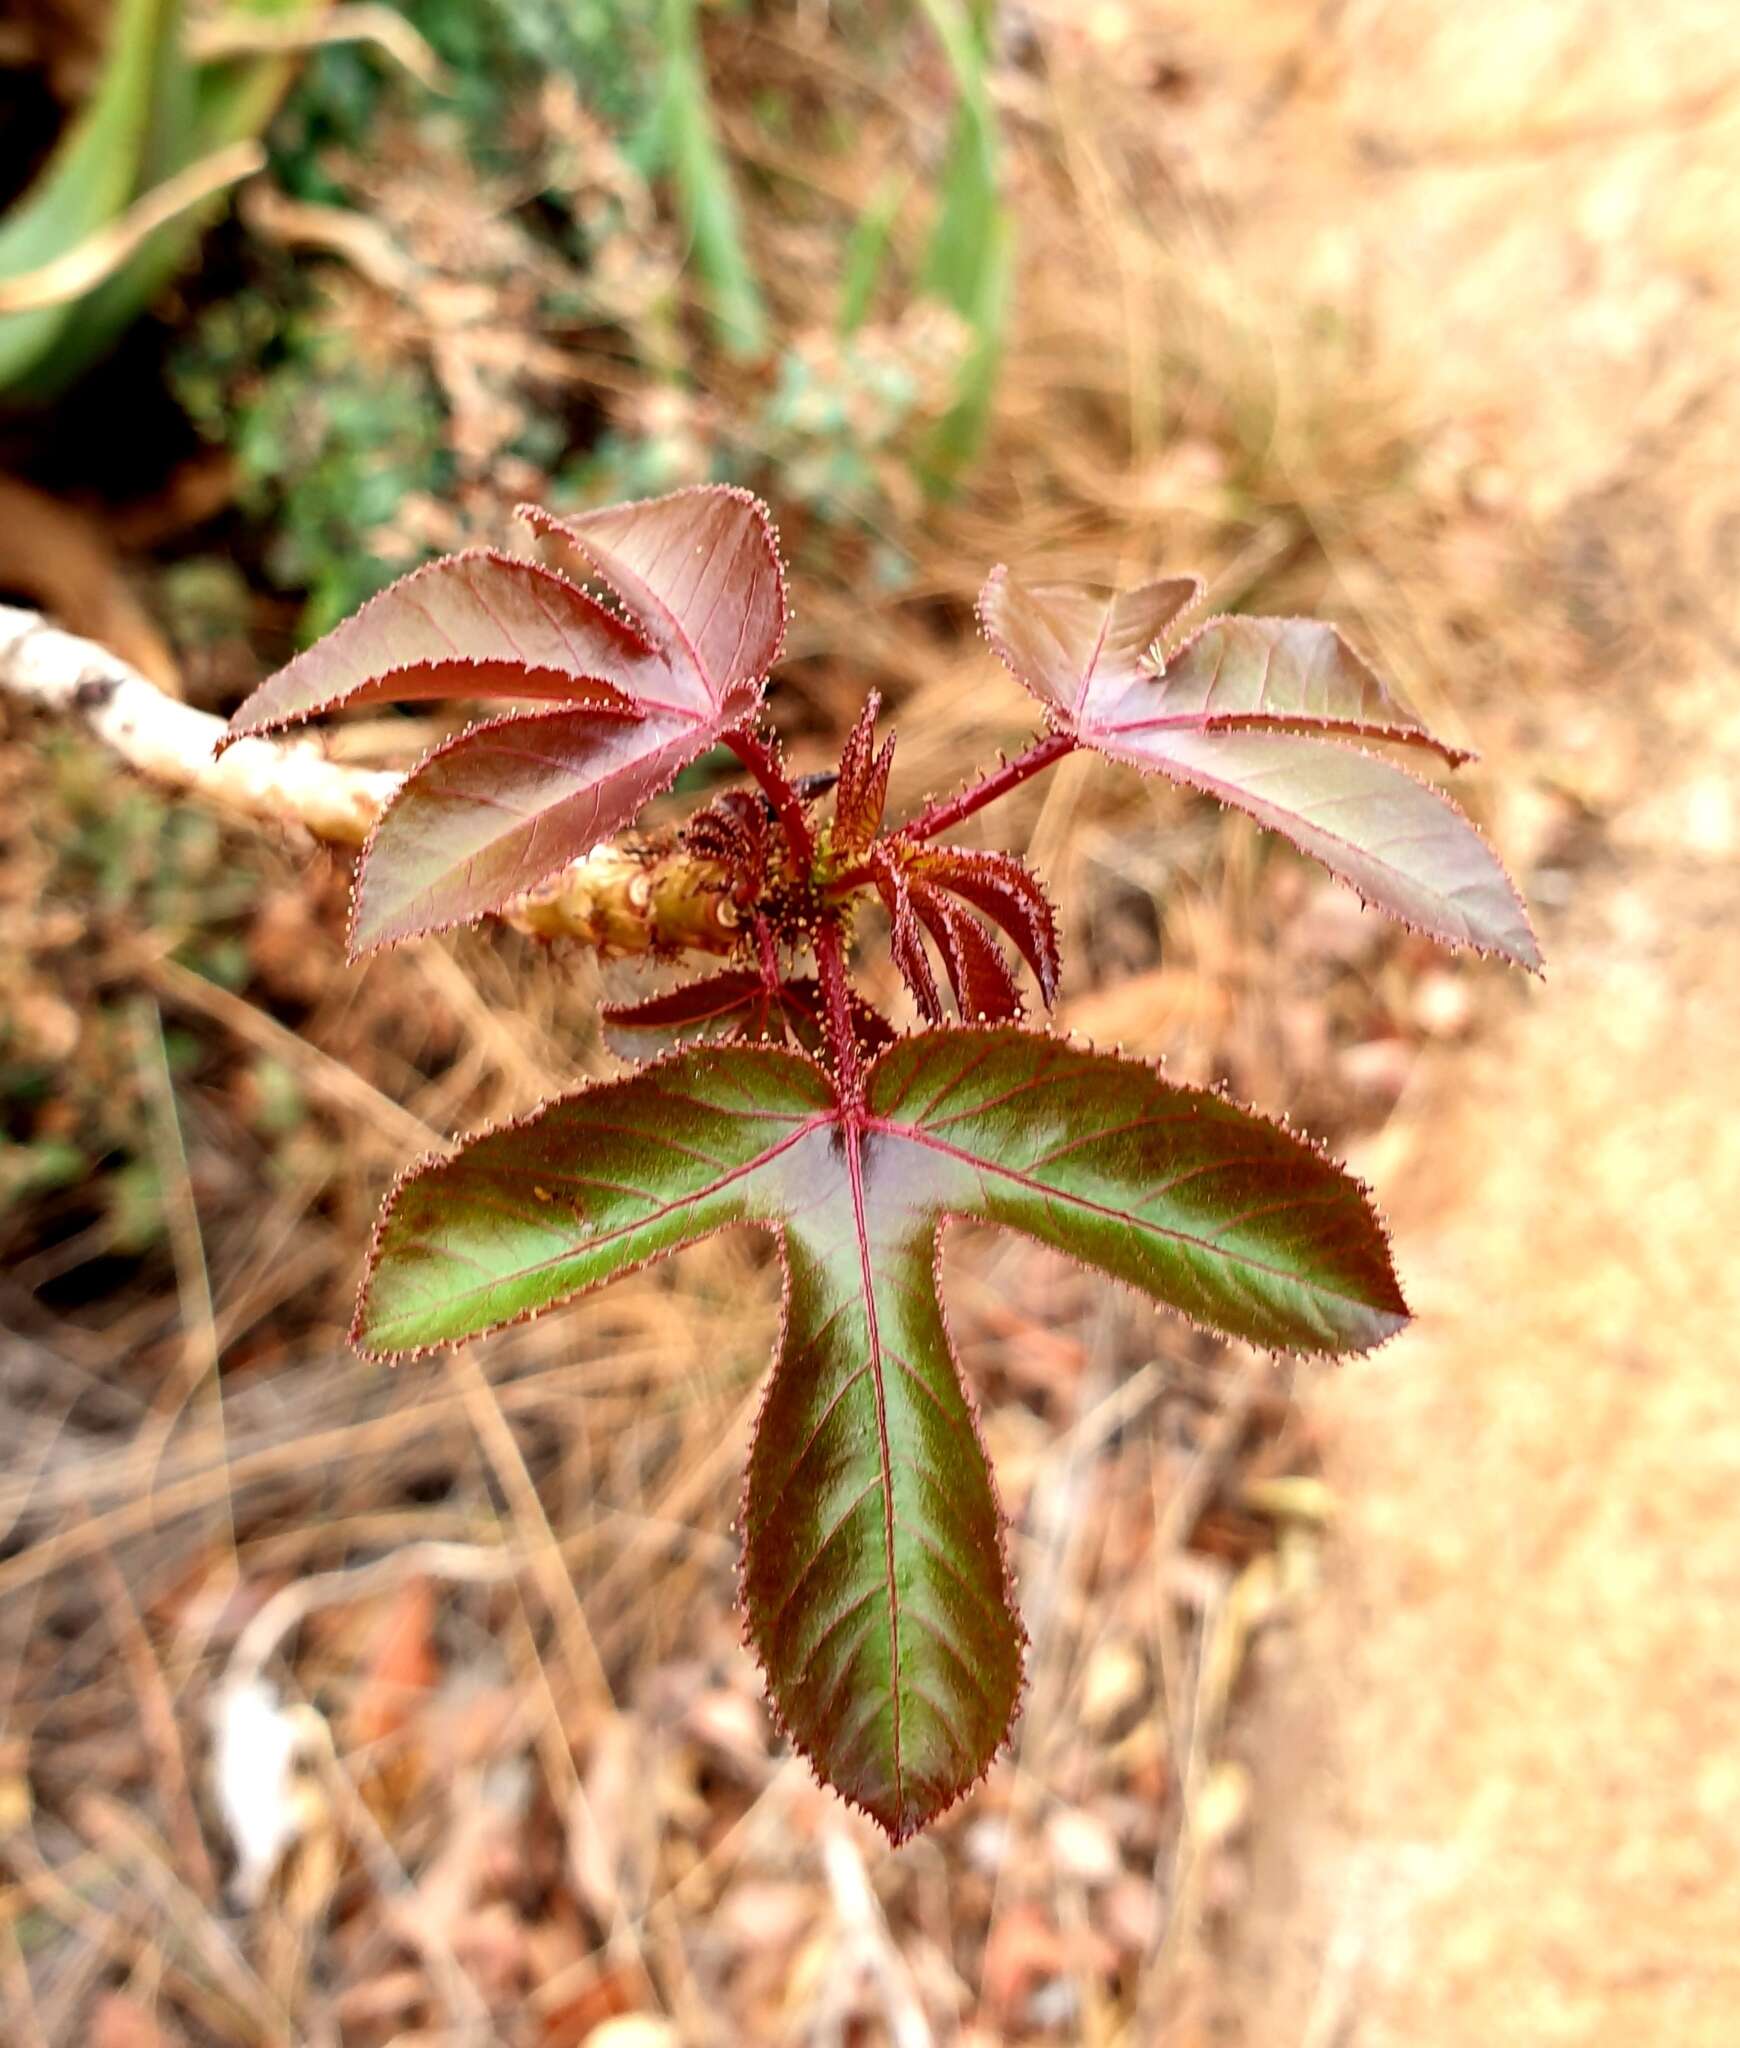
(503, 806)
(477, 624)
(984, 988)
(700, 571)
(730, 1007)
(861, 795)
(1297, 675)
(1242, 710)
(1082, 651)
(905, 935)
(1403, 845)
(734, 831)
(1008, 892)
(1076, 648)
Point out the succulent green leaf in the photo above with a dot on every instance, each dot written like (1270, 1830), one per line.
(90, 178)
(199, 109)
(1242, 709)
(874, 1578)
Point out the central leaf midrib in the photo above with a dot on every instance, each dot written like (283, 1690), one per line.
(853, 1126)
(712, 690)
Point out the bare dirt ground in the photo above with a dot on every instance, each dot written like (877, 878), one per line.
(1498, 1782)
(1498, 1793)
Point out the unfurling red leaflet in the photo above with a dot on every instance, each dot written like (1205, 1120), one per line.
(875, 1587)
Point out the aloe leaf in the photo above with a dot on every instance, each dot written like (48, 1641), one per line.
(90, 178)
(866, 252)
(873, 1574)
(704, 188)
(202, 109)
(968, 264)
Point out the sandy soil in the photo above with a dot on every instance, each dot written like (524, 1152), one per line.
(1498, 1779)
(1498, 1775)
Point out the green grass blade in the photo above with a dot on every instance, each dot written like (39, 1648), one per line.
(705, 193)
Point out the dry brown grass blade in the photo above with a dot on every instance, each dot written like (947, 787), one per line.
(83, 267)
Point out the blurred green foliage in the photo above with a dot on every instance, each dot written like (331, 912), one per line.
(326, 448)
(894, 378)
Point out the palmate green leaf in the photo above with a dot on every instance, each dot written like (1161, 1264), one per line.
(873, 1573)
(1247, 710)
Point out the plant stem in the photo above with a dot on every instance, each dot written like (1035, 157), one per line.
(767, 954)
(837, 1011)
(764, 764)
(943, 816)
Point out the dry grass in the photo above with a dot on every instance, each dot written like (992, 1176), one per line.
(1406, 319)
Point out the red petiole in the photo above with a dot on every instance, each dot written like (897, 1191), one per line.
(944, 816)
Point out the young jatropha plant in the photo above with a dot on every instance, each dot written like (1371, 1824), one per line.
(874, 1577)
